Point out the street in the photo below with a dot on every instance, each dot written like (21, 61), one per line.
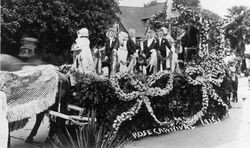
(229, 133)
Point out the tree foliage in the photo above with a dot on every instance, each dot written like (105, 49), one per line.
(238, 30)
(188, 3)
(235, 10)
(54, 22)
(193, 18)
(152, 3)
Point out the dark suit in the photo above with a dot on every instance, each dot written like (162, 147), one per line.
(190, 40)
(109, 49)
(132, 47)
(108, 52)
(147, 51)
(162, 50)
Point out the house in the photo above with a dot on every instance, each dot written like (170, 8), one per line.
(136, 17)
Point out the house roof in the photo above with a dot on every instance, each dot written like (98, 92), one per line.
(135, 17)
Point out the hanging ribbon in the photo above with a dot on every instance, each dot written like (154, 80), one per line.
(153, 60)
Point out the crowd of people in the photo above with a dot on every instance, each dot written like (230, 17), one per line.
(124, 53)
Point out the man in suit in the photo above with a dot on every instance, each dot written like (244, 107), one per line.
(131, 43)
(132, 46)
(190, 42)
(163, 50)
(111, 45)
(149, 46)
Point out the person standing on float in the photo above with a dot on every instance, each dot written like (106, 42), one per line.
(111, 47)
(122, 52)
(181, 39)
(133, 50)
(83, 60)
(163, 51)
(173, 60)
(150, 52)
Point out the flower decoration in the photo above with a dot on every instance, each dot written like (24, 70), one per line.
(114, 81)
(156, 91)
(196, 117)
(144, 91)
(214, 68)
(194, 75)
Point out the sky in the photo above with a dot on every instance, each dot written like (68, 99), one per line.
(217, 6)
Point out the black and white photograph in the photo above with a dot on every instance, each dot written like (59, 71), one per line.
(125, 74)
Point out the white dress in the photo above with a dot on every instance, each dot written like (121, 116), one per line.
(3, 121)
(122, 54)
(85, 59)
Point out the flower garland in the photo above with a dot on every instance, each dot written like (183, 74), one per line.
(144, 91)
(114, 81)
(153, 92)
(192, 120)
(214, 68)
(190, 71)
(151, 112)
(194, 70)
(142, 95)
(140, 87)
(126, 115)
(198, 80)
(216, 97)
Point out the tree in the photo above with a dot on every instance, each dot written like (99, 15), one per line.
(54, 23)
(202, 23)
(235, 10)
(152, 3)
(238, 30)
(188, 3)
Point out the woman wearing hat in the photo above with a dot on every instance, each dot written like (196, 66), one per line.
(83, 60)
(122, 52)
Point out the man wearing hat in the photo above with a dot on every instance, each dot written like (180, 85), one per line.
(111, 45)
(163, 50)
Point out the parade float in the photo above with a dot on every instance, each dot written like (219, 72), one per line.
(137, 106)
(141, 106)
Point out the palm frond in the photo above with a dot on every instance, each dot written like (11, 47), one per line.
(91, 136)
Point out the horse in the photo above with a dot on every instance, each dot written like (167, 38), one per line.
(10, 63)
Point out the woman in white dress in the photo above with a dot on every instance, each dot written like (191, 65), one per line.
(82, 56)
(122, 52)
(83, 61)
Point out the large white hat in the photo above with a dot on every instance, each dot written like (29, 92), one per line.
(83, 32)
(123, 35)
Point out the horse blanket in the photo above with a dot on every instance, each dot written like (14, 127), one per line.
(30, 91)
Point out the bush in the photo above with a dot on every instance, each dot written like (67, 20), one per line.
(54, 23)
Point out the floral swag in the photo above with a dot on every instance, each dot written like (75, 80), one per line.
(143, 91)
(161, 99)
